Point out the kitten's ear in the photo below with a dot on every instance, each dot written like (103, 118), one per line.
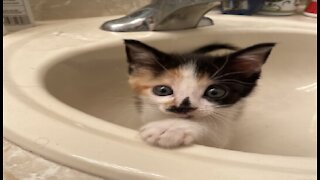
(140, 54)
(251, 59)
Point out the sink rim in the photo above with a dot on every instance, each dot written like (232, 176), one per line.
(52, 151)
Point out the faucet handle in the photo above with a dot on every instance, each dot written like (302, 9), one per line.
(140, 20)
(187, 17)
(164, 15)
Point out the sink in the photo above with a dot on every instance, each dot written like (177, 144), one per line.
(66, 98)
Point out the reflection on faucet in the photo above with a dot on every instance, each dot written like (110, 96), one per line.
(165, 15)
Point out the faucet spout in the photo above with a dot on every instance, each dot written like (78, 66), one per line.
(162, 15)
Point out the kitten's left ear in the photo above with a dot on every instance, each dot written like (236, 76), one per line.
(142, 57)
(251, 59)
(140, 54)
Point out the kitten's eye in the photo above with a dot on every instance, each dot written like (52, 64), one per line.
(162, 90)
(215, 92)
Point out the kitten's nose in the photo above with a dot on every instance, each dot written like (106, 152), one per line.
(183, 108)
(185, 103)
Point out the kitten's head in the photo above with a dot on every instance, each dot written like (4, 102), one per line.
(193, 85)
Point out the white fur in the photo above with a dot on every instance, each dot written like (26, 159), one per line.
(209, 125)
(163, 131)
(187, 86)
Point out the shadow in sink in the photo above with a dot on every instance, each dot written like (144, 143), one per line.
(280, 117)
(95, 85)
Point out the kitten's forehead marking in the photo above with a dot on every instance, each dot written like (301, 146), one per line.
(187, 84)
(188, 71)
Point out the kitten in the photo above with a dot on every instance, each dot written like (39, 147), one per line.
(193, 97)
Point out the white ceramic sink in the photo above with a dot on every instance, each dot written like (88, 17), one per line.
(67, 99)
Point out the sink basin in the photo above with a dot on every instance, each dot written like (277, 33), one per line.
(67, 99)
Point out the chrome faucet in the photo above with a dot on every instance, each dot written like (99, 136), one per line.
(162, 15)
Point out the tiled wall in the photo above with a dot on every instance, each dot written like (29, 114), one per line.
(62, 9)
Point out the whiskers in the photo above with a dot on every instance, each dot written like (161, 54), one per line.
(217, 76)
(224, 110)
(162, 66)
(238, 82)
(146, 106)
(219, 116)
(219, 112)
(129, 103)
(220, 69)
(217, 106)
(230, 73)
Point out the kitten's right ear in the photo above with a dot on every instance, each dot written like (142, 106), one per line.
(251, 59)
(140, 54)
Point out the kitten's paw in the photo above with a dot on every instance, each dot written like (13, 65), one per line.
(166, 135)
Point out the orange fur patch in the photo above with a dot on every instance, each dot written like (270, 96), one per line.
(170, 103)
(143, 80)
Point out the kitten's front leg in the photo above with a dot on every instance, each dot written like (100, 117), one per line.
(170, 133)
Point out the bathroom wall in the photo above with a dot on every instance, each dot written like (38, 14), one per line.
(62, 9)
(65, 9)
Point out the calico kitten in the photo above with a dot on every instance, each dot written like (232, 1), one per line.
(192, 97)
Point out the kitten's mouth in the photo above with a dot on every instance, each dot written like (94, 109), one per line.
(185, 116)
(188, 116)
(181, 110)
(184, 112)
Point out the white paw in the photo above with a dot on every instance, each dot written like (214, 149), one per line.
(166, 134)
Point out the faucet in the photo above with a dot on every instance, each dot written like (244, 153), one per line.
(162, 15)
